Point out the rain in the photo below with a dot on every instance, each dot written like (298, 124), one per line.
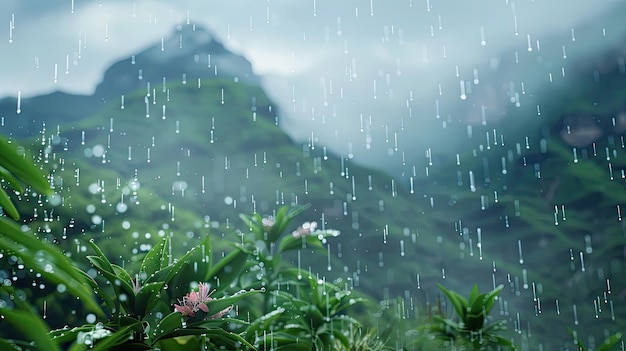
(460, 144)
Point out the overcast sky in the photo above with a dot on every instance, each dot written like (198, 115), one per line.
(342, 70)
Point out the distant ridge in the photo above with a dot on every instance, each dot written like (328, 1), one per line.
(190, 53)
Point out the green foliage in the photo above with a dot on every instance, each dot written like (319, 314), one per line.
(300, 311)
(605, 346)
(24, 319)
(135, 311)
(14, 168)
(39, 256)
(472, 313)
(139, 308)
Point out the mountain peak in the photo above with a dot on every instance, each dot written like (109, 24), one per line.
(191, 52)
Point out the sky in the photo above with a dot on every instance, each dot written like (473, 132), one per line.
(359, 76)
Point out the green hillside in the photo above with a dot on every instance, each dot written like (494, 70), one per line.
(186, 160)
(194, 170)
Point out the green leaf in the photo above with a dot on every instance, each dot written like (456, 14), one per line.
(31, 326)
(284, 215)
(473, 295)
(475, 317)
(490, 298)
(108, 301)
(169, 324)
(610, 342)
(8, 346)
(160, 275)
(21, 168)
(106, 263)
(124, 276)
(577, 340)
(13, 182)
(156, 258)
(7, 205)
(260, 323)
(338, 334)
(312, 315)
(167, 273)
(255, 223)
(345, 319)
(101, 265)
(351, 301)
(458, 305)
(217, 334)
(446, 327)
(280, 340)
(217, 305)
(147, 297)
(119, 337)
(227, 269)
(217, 322)
(280, 223)
(46, 260)
(296, 210)
(292, 243)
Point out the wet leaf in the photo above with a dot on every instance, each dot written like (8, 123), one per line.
(156, 258)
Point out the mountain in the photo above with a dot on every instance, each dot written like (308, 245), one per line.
(189, 54)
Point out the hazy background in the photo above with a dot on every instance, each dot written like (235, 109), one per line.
(366, 78)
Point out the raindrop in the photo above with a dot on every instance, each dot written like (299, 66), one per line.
(19, 102)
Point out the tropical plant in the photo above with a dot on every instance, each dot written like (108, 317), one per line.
(139, 310)
(27, 249)
(472, 329)
(135, 312)
(301, 310)
(605, 346)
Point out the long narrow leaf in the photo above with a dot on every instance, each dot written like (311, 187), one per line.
(21, 168)
(9, 178)
(153, 261)
(33, 328)
(292, 243)
(227, 269)
(610, 342)
(169, 324)
(7, 205)
(490, 298)
(220, 304)
(116, 281)
(228, 338)
(8, 346)
(255, 327)
(46, 260)
(147, 297)
(456, 303)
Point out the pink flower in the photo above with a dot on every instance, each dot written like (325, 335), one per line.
(305, 229)
(196, 301)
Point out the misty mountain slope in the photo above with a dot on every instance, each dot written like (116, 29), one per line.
(120, 175)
